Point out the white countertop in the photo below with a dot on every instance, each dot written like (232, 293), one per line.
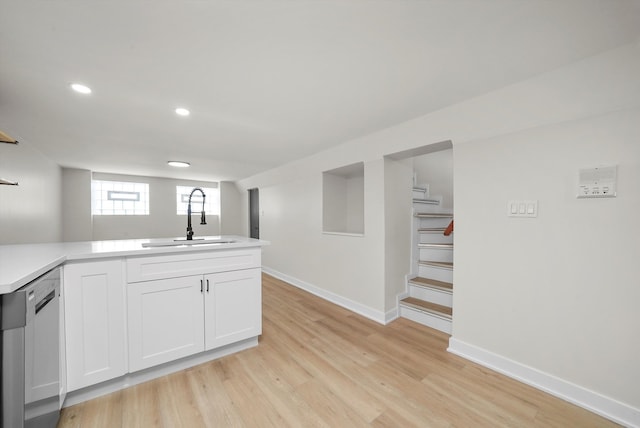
(20, 264)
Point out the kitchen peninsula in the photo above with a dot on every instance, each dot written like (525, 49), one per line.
(141, 308)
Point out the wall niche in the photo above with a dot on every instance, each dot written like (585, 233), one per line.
(343, 200)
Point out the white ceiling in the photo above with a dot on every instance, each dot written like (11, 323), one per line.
(267, 82)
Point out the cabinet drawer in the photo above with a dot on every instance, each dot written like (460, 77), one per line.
(176, 265)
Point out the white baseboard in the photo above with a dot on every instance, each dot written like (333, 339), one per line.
(358, 308)
(391, 315)
(597, 403)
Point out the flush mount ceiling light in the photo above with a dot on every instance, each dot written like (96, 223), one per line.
(180, 111)
(179, 164)
(82, 89)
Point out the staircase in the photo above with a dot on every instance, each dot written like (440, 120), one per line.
(430, 288)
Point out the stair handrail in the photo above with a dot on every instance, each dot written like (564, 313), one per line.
(449, 229)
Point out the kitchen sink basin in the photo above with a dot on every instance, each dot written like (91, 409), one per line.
(183, 241)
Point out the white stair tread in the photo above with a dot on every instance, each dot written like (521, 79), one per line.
(432, 283)
(443, 265)
(426, 201)
(433, 215)
(444, 246)
(432, 308)
(420, 189)
(432, 230)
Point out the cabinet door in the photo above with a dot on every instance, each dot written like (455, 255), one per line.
(233, 306)
(166, 320)
(94, 322)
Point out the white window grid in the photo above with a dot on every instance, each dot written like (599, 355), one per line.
(211, 204)
(119, 198)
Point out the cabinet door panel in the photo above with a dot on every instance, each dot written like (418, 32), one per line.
(233, 307)
(95, 322)
(166, 321)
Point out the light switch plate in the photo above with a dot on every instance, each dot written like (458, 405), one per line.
(522, 208)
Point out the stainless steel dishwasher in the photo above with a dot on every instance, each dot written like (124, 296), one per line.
(30, 329)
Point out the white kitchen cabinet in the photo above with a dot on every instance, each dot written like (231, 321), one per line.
(177, 317)
(185, 264)
(233, 303)
(94, 308)
(166, 320)
(183, 304)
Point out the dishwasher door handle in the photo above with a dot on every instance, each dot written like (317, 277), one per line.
(44, 302)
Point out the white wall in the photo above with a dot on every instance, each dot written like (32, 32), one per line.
(77, 222)
(161, 222)
(334, 203)
(230, 209)
(436, 170)
(292, 222)
(589, 109)
(355, 204)
(398, 181)
(31, 211)
(558, 292)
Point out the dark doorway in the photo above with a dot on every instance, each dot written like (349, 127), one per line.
(254, 214)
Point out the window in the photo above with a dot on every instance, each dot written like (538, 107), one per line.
(119, 198)
(211, 205)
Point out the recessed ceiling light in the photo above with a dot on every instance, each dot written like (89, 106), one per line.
(182, 111)
(81, 88)
(179, 164)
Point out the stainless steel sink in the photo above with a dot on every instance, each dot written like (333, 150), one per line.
(183, 241)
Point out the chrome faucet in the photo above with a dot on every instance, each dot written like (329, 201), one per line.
(202, 219)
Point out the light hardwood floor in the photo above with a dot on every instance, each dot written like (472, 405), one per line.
(318, 365)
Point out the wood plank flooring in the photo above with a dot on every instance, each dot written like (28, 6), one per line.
(318, 365)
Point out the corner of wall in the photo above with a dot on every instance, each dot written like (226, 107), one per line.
(32, 211)
(77, 222)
